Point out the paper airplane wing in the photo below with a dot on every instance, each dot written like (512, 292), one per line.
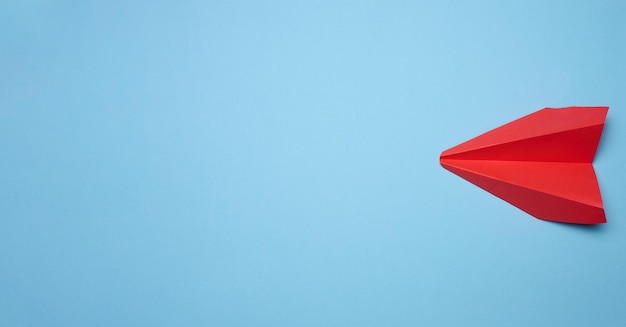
(540, 163)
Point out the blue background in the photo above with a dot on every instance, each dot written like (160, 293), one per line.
(276, 163)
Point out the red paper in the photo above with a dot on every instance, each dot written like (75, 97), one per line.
(540, 163)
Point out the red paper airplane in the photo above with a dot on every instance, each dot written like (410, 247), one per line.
(540, 163)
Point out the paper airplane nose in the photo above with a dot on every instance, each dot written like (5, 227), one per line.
(540, 163)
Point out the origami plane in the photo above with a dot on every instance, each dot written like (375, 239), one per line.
(540, 163)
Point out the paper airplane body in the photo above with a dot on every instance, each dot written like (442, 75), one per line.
(540, 163)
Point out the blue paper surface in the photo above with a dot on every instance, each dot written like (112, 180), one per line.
(277, 164)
